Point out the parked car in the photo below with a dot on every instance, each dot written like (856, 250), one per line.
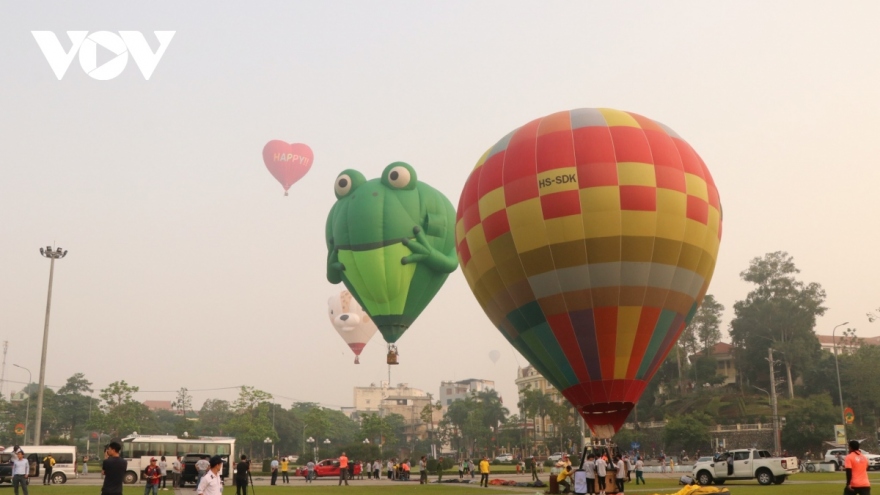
(189, 474)
(330, 467)
(831, 456)
(504, 458)
(556, 456)
(747, 464)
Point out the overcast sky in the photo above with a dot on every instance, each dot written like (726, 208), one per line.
(188, 267)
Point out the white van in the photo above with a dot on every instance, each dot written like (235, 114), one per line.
(65, 461)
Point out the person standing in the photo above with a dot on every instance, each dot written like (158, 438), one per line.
(113, 469)
(368, 467)
(640, 467)
(48, 464)
(590, 471)
(211, 483)
(284, 466)
(423, 470)
(377, 468)
(601, 472)
(621, 474)
(534, 469)
(202, 466)
(274, 467)
(21, 471)
(471, 468)
(856, 465)
(343, 469)
(484, 472)
(461, 467)
(152, 474)
(390, 467)
(175, 472)
(163, 470)
(730, 463)
(241, 476)
(310, 468)
(85, 469)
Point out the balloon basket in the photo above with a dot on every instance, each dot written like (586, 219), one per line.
(392, 355)
(357, 360)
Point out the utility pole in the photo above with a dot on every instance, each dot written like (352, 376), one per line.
(57, 254)
(773, 403)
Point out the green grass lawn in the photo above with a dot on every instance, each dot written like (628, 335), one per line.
(801, 484)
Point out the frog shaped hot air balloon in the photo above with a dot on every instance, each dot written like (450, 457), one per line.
(589, 238)
(391, 241)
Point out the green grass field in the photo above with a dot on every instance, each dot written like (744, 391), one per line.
(801, 484)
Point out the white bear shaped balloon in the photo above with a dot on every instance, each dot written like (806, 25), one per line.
(351, 322)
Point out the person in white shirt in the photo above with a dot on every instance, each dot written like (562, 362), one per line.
(163, 472)
(21, 471)
(590, 469)
(175, 472)
(211, 483)
(310, 470)
(601, 466)
(640, 466)
(620, 465)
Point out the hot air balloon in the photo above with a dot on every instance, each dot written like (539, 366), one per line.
(351, 322)
(589, 238)
(391, 241)
(288, 163)
(494, 356)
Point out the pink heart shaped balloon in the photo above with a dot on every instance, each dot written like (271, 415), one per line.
(288, 163)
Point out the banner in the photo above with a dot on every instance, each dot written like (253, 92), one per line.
(849, 415)
(840, 434)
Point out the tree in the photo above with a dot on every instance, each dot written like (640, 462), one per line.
(213, 417)
(780, 312)
(118, 393)
(121, 413)
(809, 423)
(183, 403)
(251, 423)
(74, 408)
(707, 322)
(687, 432)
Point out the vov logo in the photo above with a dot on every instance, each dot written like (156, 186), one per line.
(86, 45)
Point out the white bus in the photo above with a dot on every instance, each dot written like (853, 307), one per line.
(64, 455)
(138, 449)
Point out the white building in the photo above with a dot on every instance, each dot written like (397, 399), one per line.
(451, 391)
(373, 399)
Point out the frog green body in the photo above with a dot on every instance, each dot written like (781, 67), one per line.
(391, 242)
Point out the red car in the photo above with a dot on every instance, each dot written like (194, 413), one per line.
(329, 468)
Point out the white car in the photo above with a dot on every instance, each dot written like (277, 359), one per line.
(557, 456)
(504, 458)
(745, 464)
(873, 459)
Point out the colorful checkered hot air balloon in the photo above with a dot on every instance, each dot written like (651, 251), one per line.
(589, 238)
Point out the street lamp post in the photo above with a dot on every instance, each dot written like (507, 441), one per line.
(839, 389)
(327, 442)
(314, 446)
(27, 410)
(269, 441)
(57, 254)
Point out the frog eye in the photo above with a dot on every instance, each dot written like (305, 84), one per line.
(343, 185)
(399, 175)
(346, 182)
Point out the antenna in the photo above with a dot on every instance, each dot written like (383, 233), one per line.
(3, 368)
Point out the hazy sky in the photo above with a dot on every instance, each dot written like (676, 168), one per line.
(188, 267)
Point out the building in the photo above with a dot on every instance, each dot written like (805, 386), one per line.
(529, 378)
(158, 405)
(844, 343)
(723, 354)
(382, 399)
(452, 391)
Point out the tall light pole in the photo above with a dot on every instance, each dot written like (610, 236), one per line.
(57, 254)
(27, 410)
(773, 403)
(839, 389)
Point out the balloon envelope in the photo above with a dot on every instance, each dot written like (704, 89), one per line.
(589, 238)
(494, 356)
(288, 163)
(351, 322)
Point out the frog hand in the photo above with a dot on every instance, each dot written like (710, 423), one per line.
(334, 267)
(423, 252)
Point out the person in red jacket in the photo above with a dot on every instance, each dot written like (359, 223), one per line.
(152, 473)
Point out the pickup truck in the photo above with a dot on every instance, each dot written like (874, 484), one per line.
(747, 464)
(329, 468)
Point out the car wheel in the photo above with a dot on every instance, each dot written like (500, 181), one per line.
(704, 478)
(765, 477)
(130, 478)
(59, 478)
(779, 480)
